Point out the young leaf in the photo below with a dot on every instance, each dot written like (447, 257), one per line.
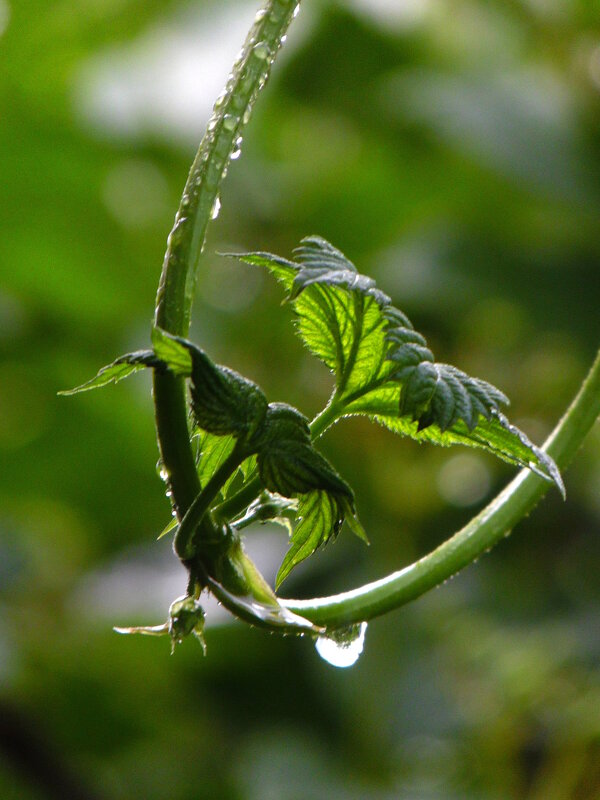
(338, 310)
(290, 468)
(239, 477)
(269, 507)
(119, 369)
(287, 461)
(383, 367)
(318, 522)
(170, 526)
(172, 352)
(223, 401)
(289, 465)
(493, 433)
(168, 354)
(212, 451)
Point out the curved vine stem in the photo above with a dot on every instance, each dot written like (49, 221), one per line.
(186, 240)
(173, 309)
(479, 535)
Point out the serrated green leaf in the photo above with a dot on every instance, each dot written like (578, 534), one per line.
(338, 310)
(376, 356)
(170, 350)
(282, 269)
(322, 263)
(113, 373)
(318, 522)
(223, 401)
(496, 434)
(287, 460)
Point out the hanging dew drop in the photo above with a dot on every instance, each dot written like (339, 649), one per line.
(216, 208)
(343, 646)
(229, 122)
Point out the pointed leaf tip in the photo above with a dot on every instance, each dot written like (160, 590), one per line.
(319, 517)
(113, 373)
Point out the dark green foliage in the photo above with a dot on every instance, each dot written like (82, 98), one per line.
(289, 465)
(223, 401)
(231, 411)
(383, 367)
(287, 461)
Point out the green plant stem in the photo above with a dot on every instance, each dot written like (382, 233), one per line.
(232, 507)
(173, 308)
(479, 535)
(184, 543)
(186, 240)
(330, 414)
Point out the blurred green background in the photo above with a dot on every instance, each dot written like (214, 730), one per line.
(452, 150)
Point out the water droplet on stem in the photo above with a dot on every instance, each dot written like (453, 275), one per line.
(237, 150)
(342, 647)
(261, 51)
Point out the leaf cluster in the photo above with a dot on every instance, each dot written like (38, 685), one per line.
(382, 366)
(237, 429)
(383, 369)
